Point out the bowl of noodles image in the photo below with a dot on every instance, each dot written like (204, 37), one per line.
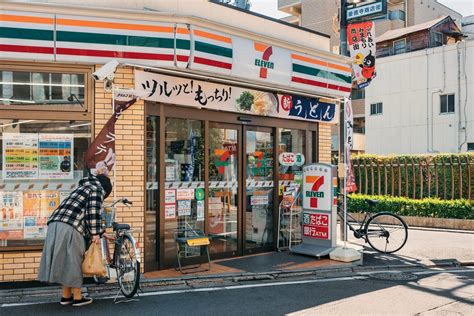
(256, 102)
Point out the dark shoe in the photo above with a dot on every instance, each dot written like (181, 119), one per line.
(83, 301)
(66, 301)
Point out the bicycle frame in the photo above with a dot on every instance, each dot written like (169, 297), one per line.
(358, 232)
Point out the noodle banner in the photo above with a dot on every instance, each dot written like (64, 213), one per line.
(100, 156)
(213, 96)
(349, 143)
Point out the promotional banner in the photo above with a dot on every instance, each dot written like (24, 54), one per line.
(349, 143)
(361, 39)
(100, 156)
(213, 96)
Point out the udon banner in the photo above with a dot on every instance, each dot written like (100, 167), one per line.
(213, 96)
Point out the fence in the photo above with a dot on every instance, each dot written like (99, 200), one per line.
(447, 177)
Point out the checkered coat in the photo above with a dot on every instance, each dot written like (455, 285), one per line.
(82, 208)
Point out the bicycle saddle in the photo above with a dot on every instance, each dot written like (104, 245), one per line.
(117, 226)
(372, 202)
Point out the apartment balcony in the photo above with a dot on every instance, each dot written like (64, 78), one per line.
(292, 7)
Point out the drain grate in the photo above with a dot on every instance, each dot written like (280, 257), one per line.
(393, 276)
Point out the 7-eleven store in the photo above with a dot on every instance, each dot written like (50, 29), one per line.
(229, 116)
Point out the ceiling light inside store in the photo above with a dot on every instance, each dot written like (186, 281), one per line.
(16, 123)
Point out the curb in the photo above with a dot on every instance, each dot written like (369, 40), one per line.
(189, 281)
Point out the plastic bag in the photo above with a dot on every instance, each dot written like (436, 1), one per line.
(93, 264)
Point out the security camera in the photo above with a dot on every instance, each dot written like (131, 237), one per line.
(107, 71)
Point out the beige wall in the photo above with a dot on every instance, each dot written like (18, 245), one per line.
(325, 143)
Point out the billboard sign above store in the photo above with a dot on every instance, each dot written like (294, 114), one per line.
(214, 96)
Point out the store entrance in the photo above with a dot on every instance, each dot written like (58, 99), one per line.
(241, 189)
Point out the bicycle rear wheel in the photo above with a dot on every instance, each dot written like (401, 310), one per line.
(386, 232)
(128, 267)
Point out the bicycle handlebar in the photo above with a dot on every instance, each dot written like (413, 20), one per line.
(124, 201)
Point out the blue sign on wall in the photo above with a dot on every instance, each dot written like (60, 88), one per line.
(373, 9)
(312, 109)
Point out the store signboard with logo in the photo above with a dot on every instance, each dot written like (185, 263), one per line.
(319, 211)
(214, 96)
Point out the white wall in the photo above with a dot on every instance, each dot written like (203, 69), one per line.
(409, 86)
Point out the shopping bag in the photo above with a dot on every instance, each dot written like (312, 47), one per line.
(93, 264)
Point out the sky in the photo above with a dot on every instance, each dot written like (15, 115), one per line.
(270, 7)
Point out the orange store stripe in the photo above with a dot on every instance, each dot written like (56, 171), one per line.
(321, 63)
(120, 26)
(26, 19)
(180, 30)
(216, 37)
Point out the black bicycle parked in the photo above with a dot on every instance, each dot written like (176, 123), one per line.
(384, 231)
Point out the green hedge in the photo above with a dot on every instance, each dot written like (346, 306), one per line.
(428, 207)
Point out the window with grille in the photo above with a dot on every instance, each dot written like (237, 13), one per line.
(447, 103)
(376, 108)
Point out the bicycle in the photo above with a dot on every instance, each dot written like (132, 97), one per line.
(126, 254)
(384, 231)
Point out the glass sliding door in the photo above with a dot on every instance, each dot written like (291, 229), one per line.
(184, 191)
(223, 199)
(259, 192)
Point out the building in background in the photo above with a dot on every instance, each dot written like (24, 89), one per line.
(422, 100)
(323, 16)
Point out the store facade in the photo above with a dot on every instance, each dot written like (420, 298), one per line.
(225, 122)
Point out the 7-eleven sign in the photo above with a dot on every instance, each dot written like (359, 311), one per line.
(317, 186)
(222, 156)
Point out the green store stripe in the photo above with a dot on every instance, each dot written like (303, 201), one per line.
(213, 49)
(321, 73)
(27, 34)
(114, 39)
(93, 38)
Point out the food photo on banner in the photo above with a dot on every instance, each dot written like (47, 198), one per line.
(362, 48)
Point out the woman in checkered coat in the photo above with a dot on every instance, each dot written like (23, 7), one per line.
(76, 219)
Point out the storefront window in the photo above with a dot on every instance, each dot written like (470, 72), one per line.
(22, 88)
(41, 163)
(184, 181)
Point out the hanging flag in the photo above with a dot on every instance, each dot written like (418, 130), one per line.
(349, 143)
(100, 156)
(361, 39)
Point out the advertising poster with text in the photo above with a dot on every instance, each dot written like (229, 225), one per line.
(11, 214)
(56, 157)
(20, 156)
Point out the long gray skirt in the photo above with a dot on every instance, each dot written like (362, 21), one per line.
(62, 257)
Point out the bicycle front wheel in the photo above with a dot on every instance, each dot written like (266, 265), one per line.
(386, 232)
(128, 267)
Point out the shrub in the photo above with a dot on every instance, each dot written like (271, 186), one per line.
(428, 207)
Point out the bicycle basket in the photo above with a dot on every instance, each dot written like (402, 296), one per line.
(108, 216)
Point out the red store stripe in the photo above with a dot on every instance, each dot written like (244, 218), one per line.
(182, 58)
(310, 82)
(339, 88)
(108, 53)
(27, 49)
(210, 62)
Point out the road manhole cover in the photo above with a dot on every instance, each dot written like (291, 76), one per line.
(393, 276)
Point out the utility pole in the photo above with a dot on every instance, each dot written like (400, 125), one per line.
(343, 29)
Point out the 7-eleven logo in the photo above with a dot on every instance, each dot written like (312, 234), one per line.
(264, 63)
(222, 159)
(314, 194)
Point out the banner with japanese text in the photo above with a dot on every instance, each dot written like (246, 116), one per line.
(362, 48)
(100, 156)
(213, 96)
(349, 143)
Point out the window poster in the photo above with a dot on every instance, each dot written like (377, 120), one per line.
(20, 156)
(37, 206)
(184, 208)
(200, 210)
(170, 211)
(38, 156)
(56, 156)
(11, 213)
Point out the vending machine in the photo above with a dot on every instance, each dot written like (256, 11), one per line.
(319, 218)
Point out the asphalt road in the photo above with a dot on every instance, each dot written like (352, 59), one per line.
(431, 293)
